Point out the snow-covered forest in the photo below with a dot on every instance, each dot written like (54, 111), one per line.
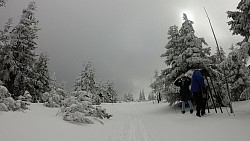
(31, 97)
(229, 75)
(25, 76)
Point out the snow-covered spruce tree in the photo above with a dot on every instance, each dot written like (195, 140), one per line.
(193, 55)
(142, 96)
(61, 90)
(86, 81)
(8, 67)
(172, 94)
(105, 93)
(237, 73)
(173, 49)
(57, 93)
(42, 83)
(128, 97)
(111, 92)
(23, 44)
(218, 88)
(159, 86)
(215, 59)
(151, 96)
(53, 83)
(155, 84)
(5, 34)
(101, 89)
(240, 23)
(184, 52)
(125, 97)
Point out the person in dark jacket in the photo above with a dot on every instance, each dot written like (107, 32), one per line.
(183, 82)
(198, 89)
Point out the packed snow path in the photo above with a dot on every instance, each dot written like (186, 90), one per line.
(143, 121)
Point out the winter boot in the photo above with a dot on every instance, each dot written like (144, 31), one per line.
(183, 112)
(198, 114)
(191, 111)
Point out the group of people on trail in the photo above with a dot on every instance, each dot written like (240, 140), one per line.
(197, 90)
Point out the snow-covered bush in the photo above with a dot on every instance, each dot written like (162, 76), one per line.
(26, 97)
(61, 92)
(3, 107)
(79, 109)
(7, 103)
(54, 98)
(13, 105)
(77, 117)
(82, 95)
(4, 92)
(45, 96)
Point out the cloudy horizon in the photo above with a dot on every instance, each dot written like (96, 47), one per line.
(124, 39)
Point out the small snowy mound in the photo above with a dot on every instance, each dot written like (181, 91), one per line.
(80, 109)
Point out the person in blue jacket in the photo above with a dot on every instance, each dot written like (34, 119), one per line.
(183, 82)
(198, 88)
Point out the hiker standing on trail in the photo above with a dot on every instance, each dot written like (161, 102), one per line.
(198, 90)
(159, 97)
(183, 82)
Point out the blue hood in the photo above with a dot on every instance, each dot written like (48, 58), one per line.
(197, 83)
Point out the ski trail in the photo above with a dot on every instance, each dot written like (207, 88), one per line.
(137, 130)
(143, 131)
(131, 129)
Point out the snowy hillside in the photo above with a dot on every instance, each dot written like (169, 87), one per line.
(131, 122)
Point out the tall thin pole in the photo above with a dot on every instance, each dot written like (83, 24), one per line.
(224, 72)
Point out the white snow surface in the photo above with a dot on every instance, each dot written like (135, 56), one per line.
(135, 121)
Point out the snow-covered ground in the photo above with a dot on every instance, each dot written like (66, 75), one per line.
(131, 122)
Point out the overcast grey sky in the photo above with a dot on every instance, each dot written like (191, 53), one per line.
(123, 38)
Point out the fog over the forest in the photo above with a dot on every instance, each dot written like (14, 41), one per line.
(124, 39)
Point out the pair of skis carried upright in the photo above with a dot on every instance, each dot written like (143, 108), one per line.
(229, 96)
(216, 95)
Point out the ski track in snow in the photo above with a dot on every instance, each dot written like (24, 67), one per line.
(137, 130)
(133, 129)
